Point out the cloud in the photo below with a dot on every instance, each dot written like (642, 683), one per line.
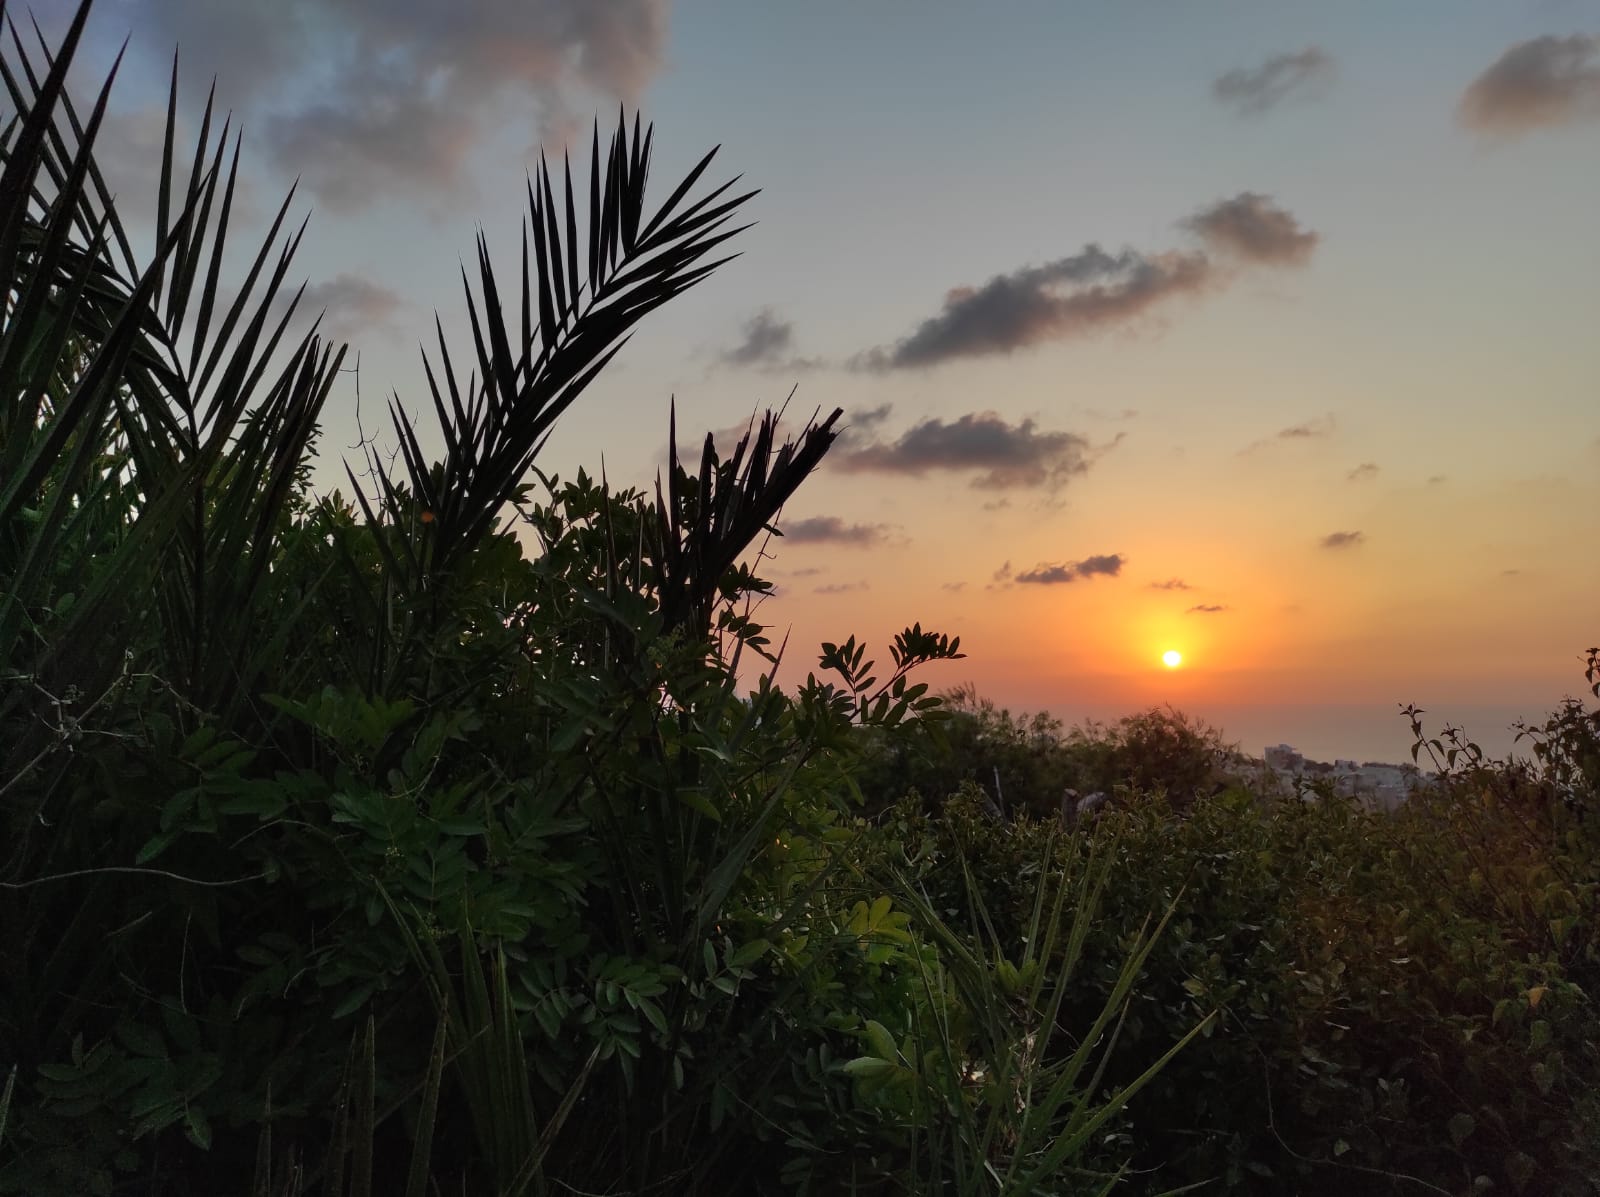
(1171, 584)
(365, 96)
(1363, 472)
(1254, 229)
(1436, 480)
(766, 344)
(355, 306)
(830, 529)
(1085, 293)
(1342, 540)
(1093, 291)
(1544, 81)
(1255, 90)
(858, 425)
(1004, 455)
(841, 588)
(1205, 609)
(1107, 565)
(953, 587)
(1309, 430)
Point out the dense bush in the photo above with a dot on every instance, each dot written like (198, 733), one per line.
(1405, 999)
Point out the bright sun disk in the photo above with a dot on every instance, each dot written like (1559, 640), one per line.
(1172, 658)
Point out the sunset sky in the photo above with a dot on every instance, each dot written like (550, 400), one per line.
(1265, 332)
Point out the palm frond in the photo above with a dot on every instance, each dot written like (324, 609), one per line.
(571, 324)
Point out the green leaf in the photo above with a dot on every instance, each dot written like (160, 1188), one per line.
(156, 845)
(879, 1039)
(197, 1128)
(1462, 1125)
(749, 953)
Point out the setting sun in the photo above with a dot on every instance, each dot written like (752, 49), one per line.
(1172, 658)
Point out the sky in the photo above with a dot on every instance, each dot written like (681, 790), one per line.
(1262, 332)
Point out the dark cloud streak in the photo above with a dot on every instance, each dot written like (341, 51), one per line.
(1106, 565)
(1085, 293)
(830, 529)
(1253, 91)
(1006, 455)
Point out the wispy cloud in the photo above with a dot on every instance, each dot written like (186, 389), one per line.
(1366, 470)
(1001, 454)
(1342, 540)
(1254, 229)
(366, 97)
(953, 587)
(1250, 91)
(1107, 565)
(830, 529)
(841, 588)
(1541, 82)
(1309, 430)
(1206, 609)
(1171, 584)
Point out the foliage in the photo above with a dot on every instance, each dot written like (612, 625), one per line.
(422, 840)
(1404, 999)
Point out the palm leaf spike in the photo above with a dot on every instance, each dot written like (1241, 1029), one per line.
(57, 152)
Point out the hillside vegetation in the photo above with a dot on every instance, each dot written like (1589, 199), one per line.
(424, 839)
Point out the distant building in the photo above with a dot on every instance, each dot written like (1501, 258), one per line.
(1383, 787)
(1284, 758)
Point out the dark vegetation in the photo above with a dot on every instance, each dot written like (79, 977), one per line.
(426, 841)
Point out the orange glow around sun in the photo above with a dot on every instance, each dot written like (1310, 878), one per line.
(1172, 658)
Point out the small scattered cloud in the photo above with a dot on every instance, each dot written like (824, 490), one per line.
(766, 343)
(830, 529)
(353, 306)
(1003, 455)
(810, 571)
(1252, 228)
(953, 587)
(1171, 584)
(1342, 540)
(1205, 609)
(1107, 565)
(1309, 430)
(1436, 480)
(841, 588)
(1251, 91)
(1366, 470)
(1509, 573)
(1539, 83)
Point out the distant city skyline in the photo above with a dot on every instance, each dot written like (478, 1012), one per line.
(1260, 332)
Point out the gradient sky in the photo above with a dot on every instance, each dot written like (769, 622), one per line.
(1267, 332)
